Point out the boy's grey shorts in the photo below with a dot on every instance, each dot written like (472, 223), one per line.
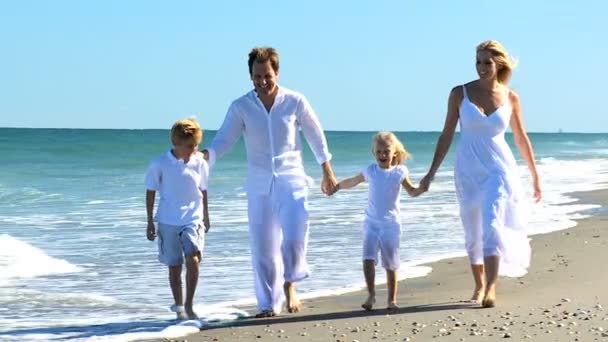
(176, 241)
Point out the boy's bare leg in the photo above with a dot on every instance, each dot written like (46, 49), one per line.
(192, 263)
(369, 270)
(175, 280)
(292, 302)
(392, 285)
(480, 286)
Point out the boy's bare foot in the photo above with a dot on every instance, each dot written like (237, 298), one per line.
(368, 305)
(265, 314)
(392, 306)
(489, 301)
(477, 296)
(190, 311)
(192, 315)
(293, 303)
(180, 313)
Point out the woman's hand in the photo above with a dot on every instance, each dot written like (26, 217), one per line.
(538, 193)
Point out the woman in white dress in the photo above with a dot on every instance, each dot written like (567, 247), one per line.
(485, 173)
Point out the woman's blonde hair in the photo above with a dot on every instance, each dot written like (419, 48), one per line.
(391, 139)
(505, 63)
(186, 130)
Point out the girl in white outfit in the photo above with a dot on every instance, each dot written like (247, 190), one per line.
(382, 225)
(485, 173)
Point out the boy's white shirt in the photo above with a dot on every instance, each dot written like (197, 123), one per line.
(272, 139)
(179, 186)
(384, 192)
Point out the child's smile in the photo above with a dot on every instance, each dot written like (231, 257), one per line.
(384, 153)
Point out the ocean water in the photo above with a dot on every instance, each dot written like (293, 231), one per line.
(75, 263)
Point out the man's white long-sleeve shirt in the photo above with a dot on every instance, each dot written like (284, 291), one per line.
(272, 139)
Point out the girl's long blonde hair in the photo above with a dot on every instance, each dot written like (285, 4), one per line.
(391, 139)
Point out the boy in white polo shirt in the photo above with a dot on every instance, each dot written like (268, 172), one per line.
(180, 176)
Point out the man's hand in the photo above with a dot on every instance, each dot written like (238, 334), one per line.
(329, 185)
(329, 182)
(151, 231)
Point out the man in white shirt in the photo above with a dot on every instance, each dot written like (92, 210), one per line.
(270, 117)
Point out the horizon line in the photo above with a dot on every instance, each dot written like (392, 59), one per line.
(560, 131)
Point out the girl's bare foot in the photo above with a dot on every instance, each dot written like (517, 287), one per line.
(292, 302)
(489, 301)
(368, 305)
(392, 306)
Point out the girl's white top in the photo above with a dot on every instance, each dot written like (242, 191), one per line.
(384, 191)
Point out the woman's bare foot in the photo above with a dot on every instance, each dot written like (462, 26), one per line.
(368, 305)
(292, 302)
(489, 301)
(477, 296)
(392, 306)
(265, 314)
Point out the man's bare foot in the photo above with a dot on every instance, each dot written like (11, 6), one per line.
(489, 301)
(477, 296)
(265, 314)
(392, 306)
(368, 305)
(292, 302)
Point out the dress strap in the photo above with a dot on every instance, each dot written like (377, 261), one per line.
(464, 90)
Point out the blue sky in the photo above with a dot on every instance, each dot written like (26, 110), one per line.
(365, 65)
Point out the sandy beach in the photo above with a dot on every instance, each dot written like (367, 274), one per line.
(560, 299)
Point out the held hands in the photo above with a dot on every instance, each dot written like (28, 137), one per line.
(425, 183)
(329, 184)
(418, 191)
(151, 231)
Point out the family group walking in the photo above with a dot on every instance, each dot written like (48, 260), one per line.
(270, 118)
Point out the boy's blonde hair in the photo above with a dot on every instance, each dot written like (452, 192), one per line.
(391, 139)
(186, 130)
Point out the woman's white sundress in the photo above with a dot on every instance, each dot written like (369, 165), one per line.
(489, 189)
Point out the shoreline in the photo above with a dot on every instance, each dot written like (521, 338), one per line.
(432, 306)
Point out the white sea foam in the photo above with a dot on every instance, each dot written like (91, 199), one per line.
(19, 259)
